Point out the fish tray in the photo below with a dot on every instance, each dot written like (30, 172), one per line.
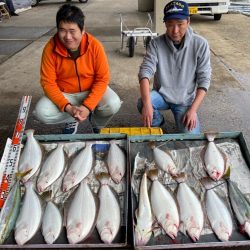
(93, 241)
(184, 147)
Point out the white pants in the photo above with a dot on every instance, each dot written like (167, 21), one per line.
(47, 112)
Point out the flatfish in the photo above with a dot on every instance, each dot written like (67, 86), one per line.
(51, 223)
(81, 217)
(144, 217)
(51, 169)
(116, 161)
(79, 168)
(214, 159)
(164, 161)
(191, 213)
(29, 218)
(163, 206)
(31, 156)
(107, 224)
(240, 205)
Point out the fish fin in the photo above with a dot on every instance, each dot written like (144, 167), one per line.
(226, 165)
(20, 175)
(211, 135)
(153, 174)
(136, 213)
(103, 178)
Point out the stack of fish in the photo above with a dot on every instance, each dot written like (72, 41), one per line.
(86, 209)
(186, 213)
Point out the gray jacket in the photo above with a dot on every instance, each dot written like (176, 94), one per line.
(178, 72)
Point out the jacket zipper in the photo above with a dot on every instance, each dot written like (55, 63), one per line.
(79, 83)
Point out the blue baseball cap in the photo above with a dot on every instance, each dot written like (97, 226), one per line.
(176, 10)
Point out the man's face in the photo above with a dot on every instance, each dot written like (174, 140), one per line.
(176, 29)
(70, 35)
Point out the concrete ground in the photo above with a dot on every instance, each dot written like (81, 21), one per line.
(225, 108)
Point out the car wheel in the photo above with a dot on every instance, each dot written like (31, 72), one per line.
(131, 46)
(217, 17)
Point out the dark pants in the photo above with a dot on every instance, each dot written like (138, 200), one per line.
(10, 6)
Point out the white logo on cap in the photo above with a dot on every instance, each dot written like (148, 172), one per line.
(174, 10)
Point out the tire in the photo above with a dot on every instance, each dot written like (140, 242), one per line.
(83, 1)
(131, 46)
(34, 3)
(147, 41)
(217, 17)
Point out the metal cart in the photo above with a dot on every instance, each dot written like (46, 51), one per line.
(133, 35)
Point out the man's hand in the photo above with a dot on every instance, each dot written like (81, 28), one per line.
(147, 115)
(189, 119)
(80, 113)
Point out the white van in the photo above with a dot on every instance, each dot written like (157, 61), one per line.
(208, 7)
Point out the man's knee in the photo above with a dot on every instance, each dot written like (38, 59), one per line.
(109, 108)
(44, 110)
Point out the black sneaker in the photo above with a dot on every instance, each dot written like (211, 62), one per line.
(96, 130)
(70, 128)
(13, 14)
(162, 122)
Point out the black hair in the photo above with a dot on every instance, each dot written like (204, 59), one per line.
(70, 14)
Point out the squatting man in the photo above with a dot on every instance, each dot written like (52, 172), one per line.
(179, 62)
(75, 76)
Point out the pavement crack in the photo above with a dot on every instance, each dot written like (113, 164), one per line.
(231, 71)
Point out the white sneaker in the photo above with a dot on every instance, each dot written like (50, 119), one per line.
(70, 128)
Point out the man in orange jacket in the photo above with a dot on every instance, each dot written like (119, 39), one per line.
(75, 76)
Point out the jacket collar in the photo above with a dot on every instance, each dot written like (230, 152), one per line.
(61, 50)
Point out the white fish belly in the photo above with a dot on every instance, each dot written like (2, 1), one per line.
(116, 163)
(191, 213)
(144, 218)
(31, 156)
(51, 169)
(164, 208)
(108, 223)
(219, 216)
(164, 161)
(79, 169)
(51, 223)
(81, 215)
(214, 161)
(29, 219)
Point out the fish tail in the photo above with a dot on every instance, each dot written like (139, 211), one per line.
(211, 136)
(29, 132)
(207, 183)
(152, 144)
(103, 178)
(153, 174)
(20, 175)
(181, 177)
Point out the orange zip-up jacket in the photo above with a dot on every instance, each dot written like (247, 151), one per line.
(61, 73)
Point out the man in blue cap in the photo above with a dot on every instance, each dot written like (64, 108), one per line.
(179, 62)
